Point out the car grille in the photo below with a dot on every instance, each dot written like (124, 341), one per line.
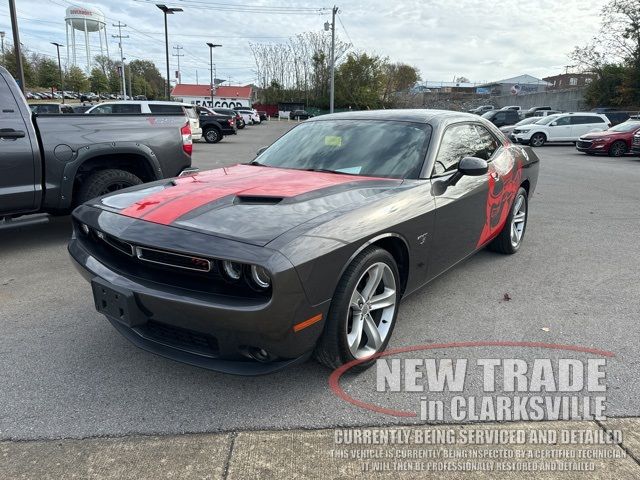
(171, 259)
(179, 338)
(636, 140)
(584, 143)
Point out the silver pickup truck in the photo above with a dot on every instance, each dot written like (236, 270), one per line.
(50, 163)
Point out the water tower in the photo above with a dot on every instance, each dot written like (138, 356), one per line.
(89, 21)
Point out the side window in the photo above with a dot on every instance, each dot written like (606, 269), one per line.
(487, 144)
(458, 141)
(500, 117)
(126, 108)
(155, 108)
(563, 121)
(102, 109)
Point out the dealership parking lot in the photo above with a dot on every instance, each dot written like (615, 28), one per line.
(68, 373)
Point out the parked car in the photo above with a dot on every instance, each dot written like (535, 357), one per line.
(42, 108)
(517, 108)
(500, 118)
(215, 125)
(300, 115)
(72, 159)
(139, 97)
(635, 145)
(615, 142)
(482, 109)
(508, 129)
(614, 115)
(232, 113)
(532, 111)
(563, 127)
(251, 268)
(249, 116)
(152, 107)
(544, 113)
(263, 115)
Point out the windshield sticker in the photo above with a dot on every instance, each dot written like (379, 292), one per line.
(333, 141)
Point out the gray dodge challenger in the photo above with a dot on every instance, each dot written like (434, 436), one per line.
(309, 248)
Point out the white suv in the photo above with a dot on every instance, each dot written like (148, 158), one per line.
(562, 127)
(151, 106)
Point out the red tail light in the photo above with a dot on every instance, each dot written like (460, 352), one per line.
(187, 141)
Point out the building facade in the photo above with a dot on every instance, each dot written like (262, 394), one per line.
(227, 96)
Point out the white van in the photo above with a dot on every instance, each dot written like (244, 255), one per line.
(152, 106)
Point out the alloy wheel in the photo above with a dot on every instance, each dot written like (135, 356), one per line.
(618, 149)
(371, 310)
(211, 135)
(519, 220)
(537, 140)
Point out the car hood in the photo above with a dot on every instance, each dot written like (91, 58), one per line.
(605, 134)
(251, 204)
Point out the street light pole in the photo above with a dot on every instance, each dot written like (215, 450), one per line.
(16, 44)
(167, 11)
(58, 45)
(211, 83)
(2, 40)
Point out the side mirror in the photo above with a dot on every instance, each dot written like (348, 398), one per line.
(553, 124)
(260, 151)
(473, 166)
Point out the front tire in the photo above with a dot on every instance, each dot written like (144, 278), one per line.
(537, 140)
(363, 311)
(512, 233)
(618, 149)
(105, 181)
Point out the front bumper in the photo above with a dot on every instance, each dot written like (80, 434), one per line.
(591, 146)
(208, 330)
(521, 137)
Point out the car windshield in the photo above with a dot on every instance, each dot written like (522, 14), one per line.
(489, 114)
(357, 147)
(626, 127)
(547, 120)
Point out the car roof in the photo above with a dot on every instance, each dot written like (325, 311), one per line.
(415, 115)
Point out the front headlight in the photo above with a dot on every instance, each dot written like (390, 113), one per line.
(260, 277)
(232, 270)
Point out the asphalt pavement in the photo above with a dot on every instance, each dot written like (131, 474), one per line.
(66, 373)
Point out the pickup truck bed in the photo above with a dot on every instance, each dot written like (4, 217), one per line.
(49, 163)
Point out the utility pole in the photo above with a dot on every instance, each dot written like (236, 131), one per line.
(58, 45)
(177, 48)
(334, 11)
(16, 44)
(120, 37)
(2, 40)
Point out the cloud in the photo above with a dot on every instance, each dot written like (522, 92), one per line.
(480, 40)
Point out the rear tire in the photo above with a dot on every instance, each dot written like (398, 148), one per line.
(340, 342)
(105, 181)
(618, 149)
(212, 135)
(512, 233)
(537, 140)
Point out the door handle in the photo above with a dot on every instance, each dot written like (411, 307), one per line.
(11, 133)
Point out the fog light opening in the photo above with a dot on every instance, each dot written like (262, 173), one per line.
(260, 354)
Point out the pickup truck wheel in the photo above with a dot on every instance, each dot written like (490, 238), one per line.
(105, 181)
(537, 140)
(363, 311)
(212, 135)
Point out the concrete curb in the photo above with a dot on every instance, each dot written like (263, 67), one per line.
(548, 450)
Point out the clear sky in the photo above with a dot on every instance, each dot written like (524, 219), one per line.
(481, 40)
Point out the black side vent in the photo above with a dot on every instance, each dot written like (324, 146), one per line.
(255, 200)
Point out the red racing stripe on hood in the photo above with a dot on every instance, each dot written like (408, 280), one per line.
(197, 190)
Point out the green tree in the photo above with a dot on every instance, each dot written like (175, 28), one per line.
(48, 74)
(10, 64)
(360, 81)
(148, 71)
(76, 80)
(98, 80)
(613, 56)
